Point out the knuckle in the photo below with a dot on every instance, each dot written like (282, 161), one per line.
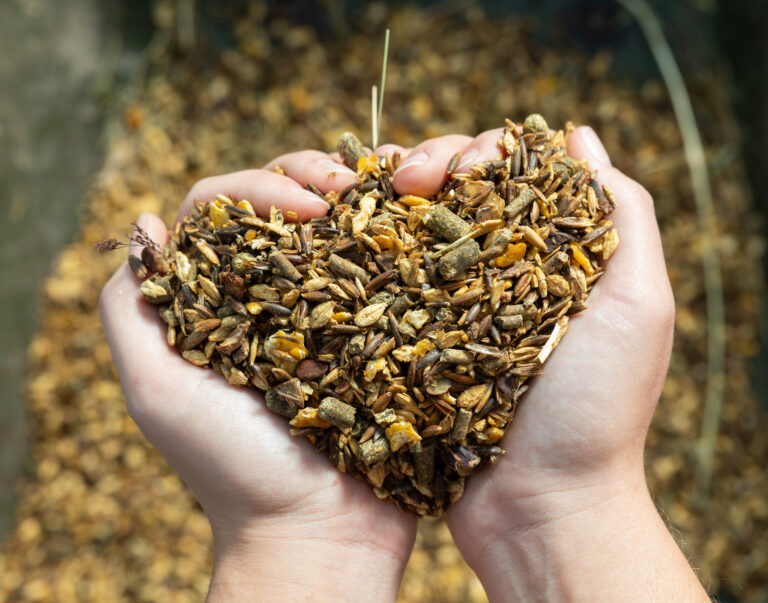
(198, 187)
(660, 308)
(106, 295)
(490, 135)
(638, 194)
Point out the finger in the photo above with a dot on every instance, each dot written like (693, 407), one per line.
(263, 189)
(635, 288)
(484, 147)
(626, 332)
(424, 171)
(325, 171)
(135, 335)
(392, 149)
(150, 229)
(315, 168)
(639, 257)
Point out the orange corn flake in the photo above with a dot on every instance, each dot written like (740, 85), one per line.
(494, 434)
(424, 346)
(254, 307)
(514, 253)
(219, 216)
(246, 205)
(367, 165)
(307, 417)
(583, 261)
(400, 434)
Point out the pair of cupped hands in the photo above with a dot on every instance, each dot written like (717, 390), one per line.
(556, 515)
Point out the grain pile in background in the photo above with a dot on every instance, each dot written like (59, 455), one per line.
(102, 517)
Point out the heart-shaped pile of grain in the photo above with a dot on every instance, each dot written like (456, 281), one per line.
(398, 333)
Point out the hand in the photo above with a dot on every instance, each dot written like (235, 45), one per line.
(286, 524)
(582, 424)
(566, 512)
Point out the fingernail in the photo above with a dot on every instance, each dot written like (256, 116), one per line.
(594, 145)
(467, 160)
(315, 200)
(413, 161)
(332, 167)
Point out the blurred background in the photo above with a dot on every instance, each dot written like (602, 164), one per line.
(109, 109)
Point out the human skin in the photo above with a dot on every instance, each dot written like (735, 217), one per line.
(565, 514)
(286, 524)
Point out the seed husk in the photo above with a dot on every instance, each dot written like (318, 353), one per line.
(370, 315)
(309, 370)
(348, 269)
(278, 405)
(137, 266)
(284, 267)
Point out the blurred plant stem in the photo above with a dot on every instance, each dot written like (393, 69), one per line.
(702, 191)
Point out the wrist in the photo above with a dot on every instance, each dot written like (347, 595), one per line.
(274, 561)
(601, 541)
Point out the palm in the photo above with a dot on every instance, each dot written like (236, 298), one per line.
(580, 410)
(598, 391)
(227, 441)
(237, 457)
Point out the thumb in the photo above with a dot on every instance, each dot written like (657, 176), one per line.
(636, 275)
(129, 322)
(590, 145)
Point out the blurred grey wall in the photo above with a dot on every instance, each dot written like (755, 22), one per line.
(54, 58)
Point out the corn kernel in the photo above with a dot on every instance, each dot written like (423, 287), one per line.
(424, 346)
(368, 165)
(219, 216)
(493, 434)
(307, 417)
(583, 261)
(246, 205)
(401, 433)
(513, 253)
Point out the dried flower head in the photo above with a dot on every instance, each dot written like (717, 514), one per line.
(139, 236)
